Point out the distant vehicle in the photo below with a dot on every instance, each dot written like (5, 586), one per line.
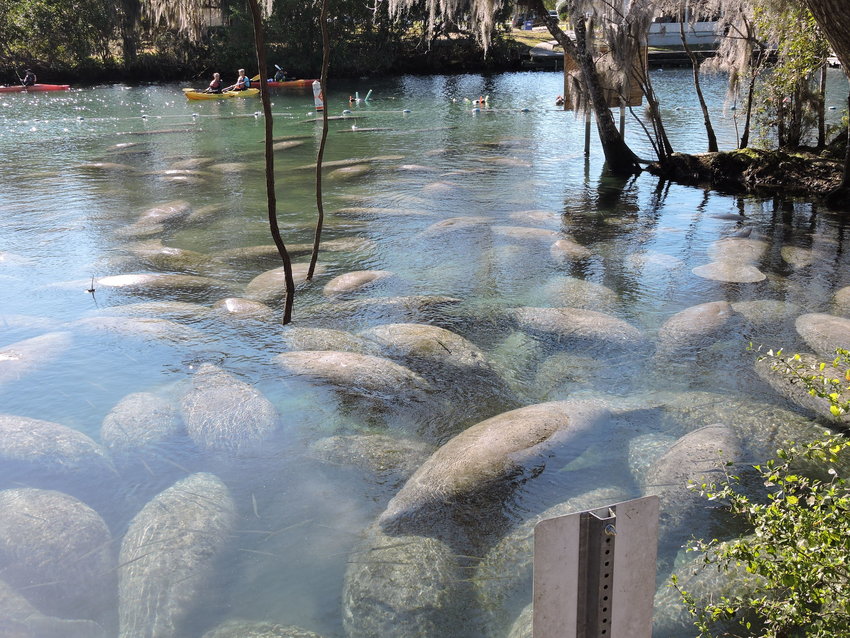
(554, 14)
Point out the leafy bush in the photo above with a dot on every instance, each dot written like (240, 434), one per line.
(800, 541)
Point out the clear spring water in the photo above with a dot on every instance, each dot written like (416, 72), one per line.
(61, 228)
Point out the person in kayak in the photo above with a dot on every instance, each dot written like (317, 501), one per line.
(29, 78)
(215, 85)
(242, 82)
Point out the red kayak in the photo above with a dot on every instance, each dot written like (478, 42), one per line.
(290, 83)
(34, 88)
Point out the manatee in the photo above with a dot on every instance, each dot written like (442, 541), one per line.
(738, 250)
(270, 286)
(696, 458)
(19, 619)
(166, 213)
(229, 167)
(457, 223)
(566, 249)
(107, 167)
(784, 378)
(525, 233)
(696, 328)
(303, 338)
(503, 578)
(255, 256)
(192, 162)
(766, 314)
(730, 271)
(158, 284)
(580, 327)
(364, 376)
(11, 259)
(26, 322)
(420, 308)
(167, 556)
(21, 358)
(651, 260)
(644, 452)
(490, 458)
(370, 211)
(824, 333)
(287, 144)
(765, 427)
(391, 459)
(51, 456)
(355, 281)
(176, 310)
(579, 293)
(57, 551)
(404, 586)
(225, 414)
(523, 625)
(153, 254)
(439, 188)
(798, 257)
(705, 582)
(142, 327)
(349, 172)
(545, 217)
(141, 426)
(241, 308)
(841, 302)
(236, 628)
(205, 214)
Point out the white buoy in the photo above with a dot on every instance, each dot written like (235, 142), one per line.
(405, 111)
(194, 115)
(524, 110)
(144, 117)
(831, 108)
(476, 110)
(346, 112)
(353, 127)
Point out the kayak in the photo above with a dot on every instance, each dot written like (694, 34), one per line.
(200, 95)
(34, 88)
(290, 83)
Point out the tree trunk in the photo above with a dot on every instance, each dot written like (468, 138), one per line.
(709, 129)
(620, 158)
(822, 109)
(130, 10)
(833, 18)
(270, 190)
(320, 220)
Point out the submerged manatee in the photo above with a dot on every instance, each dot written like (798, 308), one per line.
(405, 586)
(372, 378)
(354, 281)
(23, 357)
(582, 328)
(58, 552)
(270, 287)
(566, 249)
(824, 333)
(142, 327)
(696, 328)
(19, 619)
(159, 284)
(240, 308)
(784, 378)
(698, 457)
(490, 458)
(167, 556)
(48, 455)
(303, 338)
(730, 271)
(141, 427)
(580, 293)
(225, 414)
(247, 629)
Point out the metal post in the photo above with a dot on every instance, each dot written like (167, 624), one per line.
(594, 572)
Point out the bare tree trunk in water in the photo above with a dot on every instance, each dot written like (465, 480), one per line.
(620, 158)
(326, 54)
(709, 129)
(270, 192)
(822, 108)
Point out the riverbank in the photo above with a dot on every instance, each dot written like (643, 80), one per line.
(759, 172)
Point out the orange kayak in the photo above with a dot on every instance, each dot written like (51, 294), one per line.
(34, 88)
(289, 83)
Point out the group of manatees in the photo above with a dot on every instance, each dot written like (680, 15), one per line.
(475, 452)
